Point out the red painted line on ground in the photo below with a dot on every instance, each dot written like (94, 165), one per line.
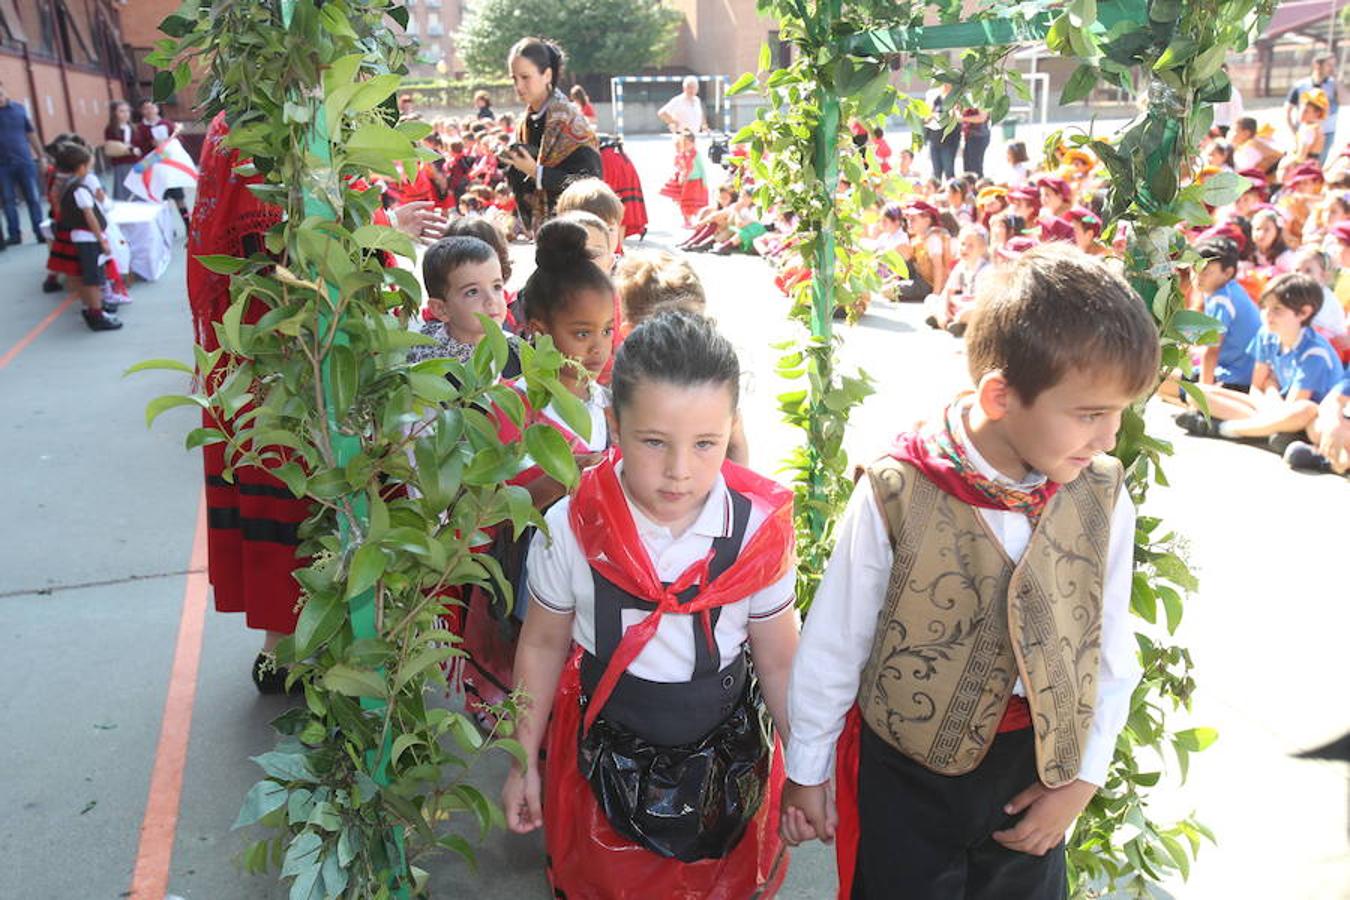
(150, 878)
(37, 330)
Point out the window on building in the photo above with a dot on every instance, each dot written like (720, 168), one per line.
(12, 34)
(412, 28)
(780, 51)
(72, 30)
(435, 28)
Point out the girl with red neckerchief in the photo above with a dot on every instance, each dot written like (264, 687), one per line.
(658, 573)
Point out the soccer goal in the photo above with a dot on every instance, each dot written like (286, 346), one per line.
(719, 83)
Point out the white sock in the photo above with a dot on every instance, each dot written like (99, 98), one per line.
(1226, 430)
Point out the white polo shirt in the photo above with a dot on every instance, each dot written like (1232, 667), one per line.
(686, 111)
(561, 581)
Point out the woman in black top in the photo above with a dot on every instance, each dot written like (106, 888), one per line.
(555, 144)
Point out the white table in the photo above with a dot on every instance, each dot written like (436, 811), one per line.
(150, 231)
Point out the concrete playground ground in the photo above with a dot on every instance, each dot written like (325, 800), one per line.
(102, 607)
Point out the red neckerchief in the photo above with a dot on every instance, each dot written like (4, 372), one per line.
(941, 458)
(604, 527)
(508, 433)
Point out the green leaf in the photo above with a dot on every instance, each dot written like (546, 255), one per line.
(261, 799)
(162, 87)
(175, 26)
(285, 766)
(746, 81)
(353, 682)
(374, 91)
(230, 322)
(302, 854)
(169, 401)
(1224, 188)
(320, 619)
(401, 744)
(1196, 739)
(549, 449)
(424, 660)
(171, 365)
(368, 565)
(1080, 84)
(1177, 54)
(221, 264)
(382, 237)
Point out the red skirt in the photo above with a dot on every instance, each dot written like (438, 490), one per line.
(589, 860)
(62, 257)
(251, 541)
(623, 178)
(692, 195)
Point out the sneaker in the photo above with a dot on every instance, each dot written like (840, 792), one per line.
(1198, 424)
(1280, 441)
(51, 286)
(102, 320)
(269, 678)
(1302, 456)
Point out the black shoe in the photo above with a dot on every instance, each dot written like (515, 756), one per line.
(932, 322)
(41, 239)
(102, 320)
(1300, 455)
(957, 329)
(16, 239)
(1198, 424)
(51, 286)
(269, 678)
(1281, 441)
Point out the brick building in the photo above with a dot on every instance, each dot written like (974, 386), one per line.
(433, 23)
(65, 60)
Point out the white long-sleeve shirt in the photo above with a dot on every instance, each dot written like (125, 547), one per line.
(837, 638)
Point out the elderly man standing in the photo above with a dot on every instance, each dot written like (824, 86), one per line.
(684, 111)
(1324, 77)
(19, 147)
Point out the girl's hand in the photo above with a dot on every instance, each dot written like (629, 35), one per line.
(520, 800)
(808, 813)
(1049, 813)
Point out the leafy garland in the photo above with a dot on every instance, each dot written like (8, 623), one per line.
(402, 465)
(841, 71)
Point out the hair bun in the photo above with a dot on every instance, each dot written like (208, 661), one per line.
(560, 245)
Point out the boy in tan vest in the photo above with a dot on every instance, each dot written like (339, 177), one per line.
(968, 661)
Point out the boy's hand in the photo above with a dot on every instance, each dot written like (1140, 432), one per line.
(808, 813)
(1048, 816)
(520, 800)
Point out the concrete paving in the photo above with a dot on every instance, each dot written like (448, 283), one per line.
(97, 538)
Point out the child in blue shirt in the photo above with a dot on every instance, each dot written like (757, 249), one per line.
(1229, 363)
(1295, 368)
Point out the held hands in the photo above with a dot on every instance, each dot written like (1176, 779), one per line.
(1048, 814)
(520, 799)
(808, 813)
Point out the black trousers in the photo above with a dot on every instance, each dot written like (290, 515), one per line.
(926, 836)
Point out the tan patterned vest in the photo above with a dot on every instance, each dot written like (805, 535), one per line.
(961, 623)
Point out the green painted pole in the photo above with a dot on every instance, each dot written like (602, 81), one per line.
(345, 447)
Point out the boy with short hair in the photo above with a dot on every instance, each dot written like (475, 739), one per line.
(594, 196)
(1228, 363)
(78, 212)
(988, 665)
(1295, 368)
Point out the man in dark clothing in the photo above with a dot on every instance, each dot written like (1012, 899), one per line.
(19, 147)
